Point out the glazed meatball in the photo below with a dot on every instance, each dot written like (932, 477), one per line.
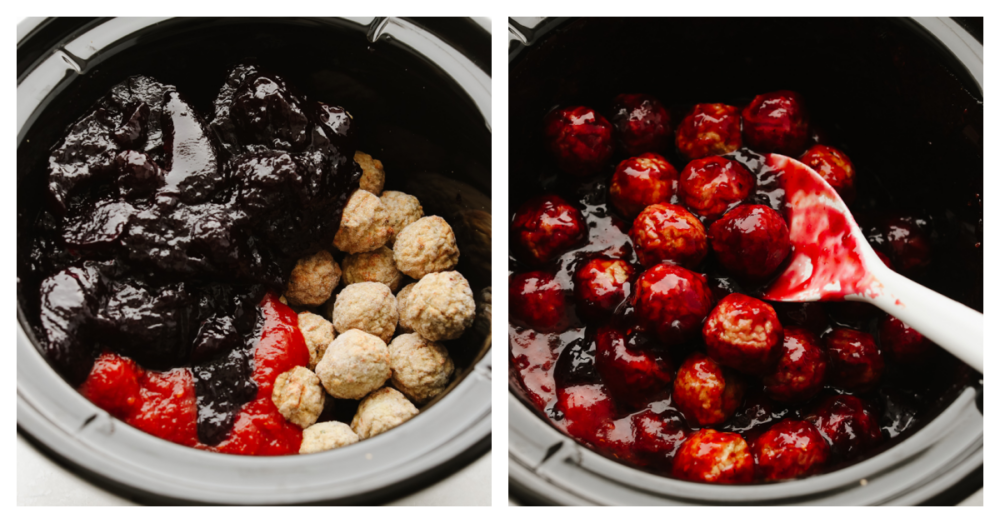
(400, 297)
(403, 210)
(909, 247)
(902, 343)
(364, 225)
(801, 369)
(440, 306)
(633, 376)
(545, 227)
(421, 369)
(538, 301)
(711, 186)
(600, 285)
(640, 182)
(709, 130)
(588, 410)
(425, 246)
(743, 333)
(375, 266)
(318, 334)
(751, 241)
(641, 124)
(670, 303)
(834, 166)
(382, 410)
(788, 450)
(579, 140)
(706, 393)
(855, 361)
(776, 123)
(313, 280)
(847, 424)
(658, 436)
(328, 435)
(714, 457)
(668, 233)
(355, 364)
(372, 173)
(367, 306)
(298, 395)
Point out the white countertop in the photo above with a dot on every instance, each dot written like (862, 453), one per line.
(40, 481)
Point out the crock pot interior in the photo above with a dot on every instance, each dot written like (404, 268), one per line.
(908, 114)
(411, 114)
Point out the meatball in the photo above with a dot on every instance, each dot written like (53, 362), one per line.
(641, 124)
(421, 369)
(709, 130)
(298, 395)
(847, 424)
(579, 139)
(318, 334)
(425, 246)
(400, 297)
(668, 233)
(367, 306)
(909, 247)
(751, 241)
(714, 457)
(706, 393)
(403, 210)
(364, 225)
(834, 166)
(313, 280)
(902, 343)
(801, 368)
(711, 186)
(776, 123)
(670, 302)
(355, 364)
(658, 436)
(855, 360)
(588, 410)
(788, 450)
(545, 227)
(743, 333)
(382, 410)
(328, 435)
(640, 182)
(375, 266)
(440, 306)
(600, 285)
(633, 376)
(538, 301)
(372, 173)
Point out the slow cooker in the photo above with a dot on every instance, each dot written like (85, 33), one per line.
(906, 93)
(422, 89)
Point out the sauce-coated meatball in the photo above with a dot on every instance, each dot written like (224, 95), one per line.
(788, 450)
(856, 362)
(705, 392)
(713, 185)
(579, 139)
(834, 166)
(708, 130)
(641, 123)
(670, 303)
(641, 181)
(600, 285)
(751, 241)
(776, 123)
(668, 233)
(801, 368)
(714, 457)
(545, 227)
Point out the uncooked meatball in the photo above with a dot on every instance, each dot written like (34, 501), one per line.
(425, 246)
(318, 334)
(313, 280)
(376, 266)
(403, 210)
(421, 369)
(355, 364)
(298, 396)
(373, 174)
(384, 409)
(364, 225)
(400, 300)
(367, 306)
(328, 435)
(440, 306)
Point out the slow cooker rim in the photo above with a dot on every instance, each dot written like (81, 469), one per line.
(71, 438)
(526, 482)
